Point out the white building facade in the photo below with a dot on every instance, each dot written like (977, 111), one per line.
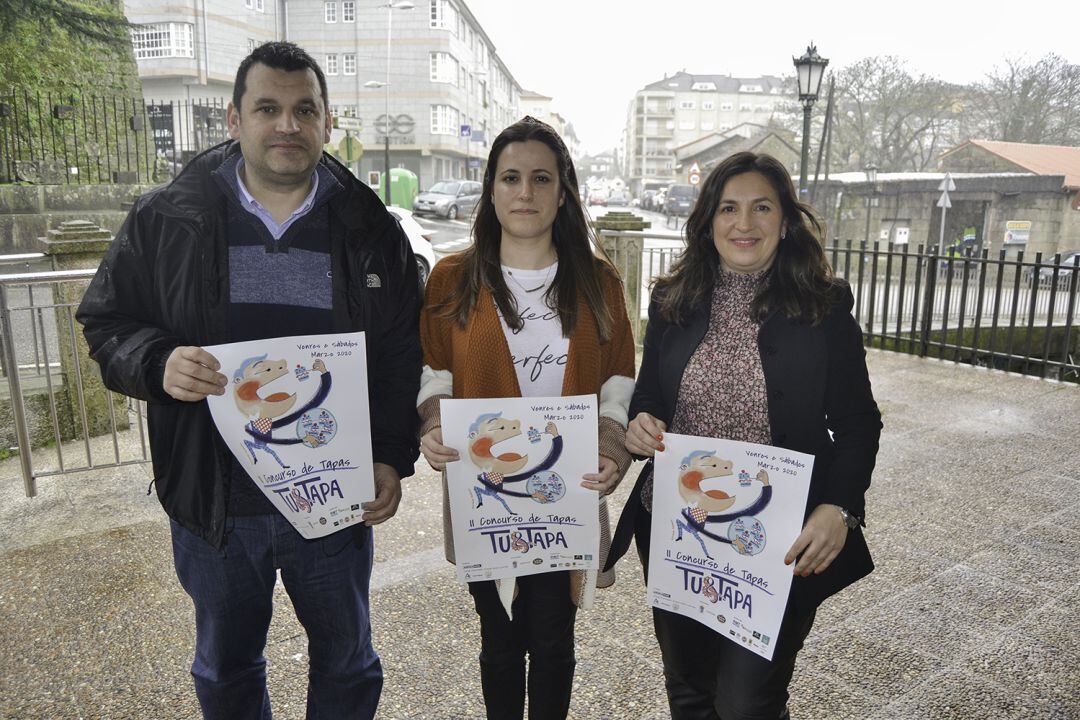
(443, 71)
(679, 109)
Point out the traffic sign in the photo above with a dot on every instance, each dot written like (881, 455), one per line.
(944, 201)
(947, 185)
(694, 178)
(350, 149)
(695, 169)
(466, 130)
(347, 123)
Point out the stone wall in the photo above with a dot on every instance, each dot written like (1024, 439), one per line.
(27, 212)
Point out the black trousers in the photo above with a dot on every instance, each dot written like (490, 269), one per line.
(542, 628)
(708, 677)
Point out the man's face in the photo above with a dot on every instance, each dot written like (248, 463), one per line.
(282, 125)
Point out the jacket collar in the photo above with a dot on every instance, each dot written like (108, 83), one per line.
(194, 192)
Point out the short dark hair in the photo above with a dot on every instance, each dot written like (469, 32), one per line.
(801, 285)
(285, 56)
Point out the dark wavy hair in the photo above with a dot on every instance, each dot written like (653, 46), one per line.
(281, 55)
(801, 282)
(581, 257)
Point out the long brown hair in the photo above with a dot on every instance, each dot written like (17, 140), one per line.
(581, 258)
(801, 282)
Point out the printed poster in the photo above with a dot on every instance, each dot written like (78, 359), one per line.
(295, 415)
(516, 502)
(724, 515)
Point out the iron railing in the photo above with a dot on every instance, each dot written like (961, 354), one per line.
(1008, 313)
(1004, 313)
(79, 138)
(64, 419)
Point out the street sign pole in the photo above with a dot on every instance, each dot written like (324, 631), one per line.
(947, 185)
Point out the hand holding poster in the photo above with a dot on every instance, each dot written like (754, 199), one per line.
(724, 515)
(295, 415)
(516, 501)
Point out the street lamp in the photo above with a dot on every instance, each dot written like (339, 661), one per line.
(390, 8)
(871, 177)
(810, 69)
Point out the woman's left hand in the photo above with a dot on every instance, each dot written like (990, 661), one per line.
(820, 541)
(605, 481)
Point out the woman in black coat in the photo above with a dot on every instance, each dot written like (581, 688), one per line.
(750, 338)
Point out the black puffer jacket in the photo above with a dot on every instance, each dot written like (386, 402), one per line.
(165, 282)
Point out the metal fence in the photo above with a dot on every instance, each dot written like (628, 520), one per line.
(1014, 314)
(62, 418)
(1009, 313)
(79, 138)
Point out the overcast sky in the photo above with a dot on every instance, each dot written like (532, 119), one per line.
(592, 55)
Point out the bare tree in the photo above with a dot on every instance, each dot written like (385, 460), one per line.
(1029, 102)
(891, 118)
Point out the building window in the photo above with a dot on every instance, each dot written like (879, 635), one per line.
(746, 107)
(727, 106)
(348, 11)
(707, 105)
(444, 120)
(161, 40)
(330, 12)
(444, 15)
(256, 5)
(686, 104)
(331, 64)
(444, 68)
(252, 44)
(348, 63)
(707, 125)
(686, 125)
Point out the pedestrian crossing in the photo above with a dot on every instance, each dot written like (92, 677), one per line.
(448, 247)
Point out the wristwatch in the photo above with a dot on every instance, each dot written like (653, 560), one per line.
(850, 520)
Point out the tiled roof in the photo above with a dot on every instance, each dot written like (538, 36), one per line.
(1039, 159)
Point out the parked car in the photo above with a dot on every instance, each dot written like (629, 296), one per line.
(450, 199)
(1063, 271)
(598, 199)
(647, 200)
(419, 239)
(680, 199)
(618, 198)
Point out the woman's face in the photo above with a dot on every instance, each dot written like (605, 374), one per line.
(747, 224)
(526, 193)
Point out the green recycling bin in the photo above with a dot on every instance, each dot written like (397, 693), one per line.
(404, 187)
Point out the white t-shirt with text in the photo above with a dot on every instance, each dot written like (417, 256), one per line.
(539, 350)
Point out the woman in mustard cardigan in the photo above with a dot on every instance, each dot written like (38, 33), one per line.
(532, 308)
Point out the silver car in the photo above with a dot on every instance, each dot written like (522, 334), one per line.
(450, 199)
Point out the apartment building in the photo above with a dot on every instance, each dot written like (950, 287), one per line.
(680, 109)
(440, 94)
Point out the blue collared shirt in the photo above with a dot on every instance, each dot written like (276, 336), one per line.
(249, 203)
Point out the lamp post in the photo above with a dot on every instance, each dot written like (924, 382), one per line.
(810, 69)
(390, 8)
(871, 177)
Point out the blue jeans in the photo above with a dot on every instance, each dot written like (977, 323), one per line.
(327, 581)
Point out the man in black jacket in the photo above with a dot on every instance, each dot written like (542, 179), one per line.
(262, 237)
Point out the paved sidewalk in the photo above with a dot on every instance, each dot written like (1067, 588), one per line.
(973, 612)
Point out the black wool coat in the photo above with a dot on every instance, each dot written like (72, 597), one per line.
(820, 403)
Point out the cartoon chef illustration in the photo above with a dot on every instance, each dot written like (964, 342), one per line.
(271, 412)
(709, 506)
(501, 470)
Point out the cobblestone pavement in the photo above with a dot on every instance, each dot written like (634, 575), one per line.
(973, 611)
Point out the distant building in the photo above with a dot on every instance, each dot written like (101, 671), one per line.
(680, 109)
(709, 150)
(540, 107)
(444, 72)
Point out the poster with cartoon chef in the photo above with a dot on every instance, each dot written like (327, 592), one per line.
(516, 501)
(295, 415)
(724, 515)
